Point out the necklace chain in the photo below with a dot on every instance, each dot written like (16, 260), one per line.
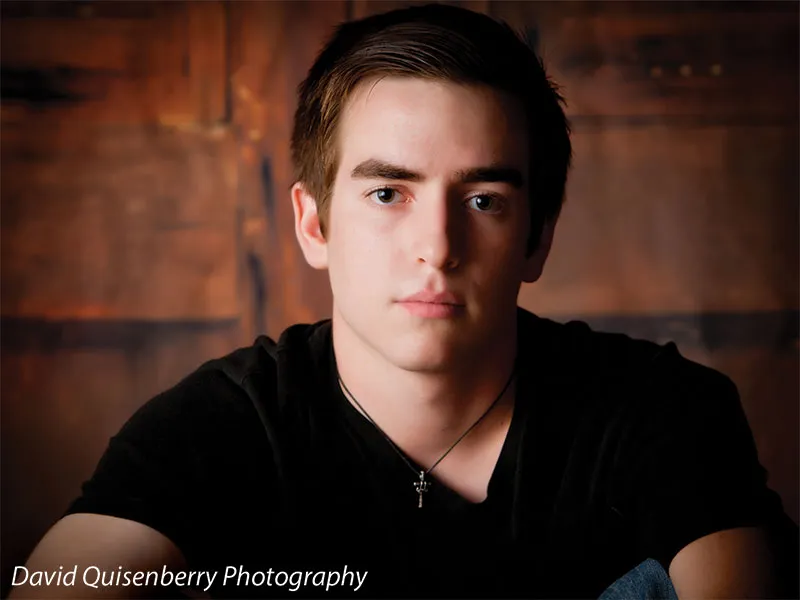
(421, 486)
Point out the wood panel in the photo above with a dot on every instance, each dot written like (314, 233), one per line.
(163, 62)
(128, 223)
(676, 59)
(665, 219)
(276, 45)
(120, 232)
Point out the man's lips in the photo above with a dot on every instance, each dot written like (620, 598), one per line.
(433, 305)
(429, 297)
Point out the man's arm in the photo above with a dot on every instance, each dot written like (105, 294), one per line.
(693, 485)
(735, 563)
(86, 540)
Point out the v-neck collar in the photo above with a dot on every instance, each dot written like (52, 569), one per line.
(395, 473)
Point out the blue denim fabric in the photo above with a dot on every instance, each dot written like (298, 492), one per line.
(647, 581)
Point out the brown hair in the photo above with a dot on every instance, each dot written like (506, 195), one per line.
(438, 42)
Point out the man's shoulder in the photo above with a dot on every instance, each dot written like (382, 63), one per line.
(299, 343)
(247, 377)
(579, 345)
(585, 351)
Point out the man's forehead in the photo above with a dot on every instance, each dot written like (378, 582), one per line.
(367, 88)
(389, 86)
(416, 128)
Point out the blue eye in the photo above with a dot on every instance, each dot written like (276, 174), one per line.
(384, 196)
(485, 203)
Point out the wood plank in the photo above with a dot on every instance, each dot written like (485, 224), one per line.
(208, 68)
(168, 66)
(119, 223)
(670, 59)
(275, 46)
(125, 9)
(659, 219)
(91, 44)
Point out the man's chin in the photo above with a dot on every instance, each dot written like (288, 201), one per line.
(430, 354)
(430, 365)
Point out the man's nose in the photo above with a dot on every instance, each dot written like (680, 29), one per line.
(436, 231)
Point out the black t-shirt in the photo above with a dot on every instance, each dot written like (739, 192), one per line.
(618, 450)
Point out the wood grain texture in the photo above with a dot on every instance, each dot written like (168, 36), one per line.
(672, 59)
(97, 65)
(276, 45)
(663, 219)
(117, 223)
(120, 231)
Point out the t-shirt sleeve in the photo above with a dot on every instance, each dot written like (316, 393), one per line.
(692, 467)
(162, 468)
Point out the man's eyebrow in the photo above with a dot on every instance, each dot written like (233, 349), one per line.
(492, 174)
(378, 169)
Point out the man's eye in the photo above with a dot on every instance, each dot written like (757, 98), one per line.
(484, 203)
(385, 196)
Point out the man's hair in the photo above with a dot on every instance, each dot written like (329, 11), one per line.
(441, 43)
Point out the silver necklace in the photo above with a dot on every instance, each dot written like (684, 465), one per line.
(422, 485)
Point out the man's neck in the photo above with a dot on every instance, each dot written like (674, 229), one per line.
(423, 412)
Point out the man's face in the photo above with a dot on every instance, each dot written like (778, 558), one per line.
(430, 196)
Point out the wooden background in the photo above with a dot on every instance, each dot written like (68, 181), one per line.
(146, 222)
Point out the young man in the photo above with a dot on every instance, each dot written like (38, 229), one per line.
(431, 439)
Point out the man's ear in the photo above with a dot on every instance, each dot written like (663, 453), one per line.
(307, 228)
(534, 265)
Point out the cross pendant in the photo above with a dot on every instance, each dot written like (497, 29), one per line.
(421, 486)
